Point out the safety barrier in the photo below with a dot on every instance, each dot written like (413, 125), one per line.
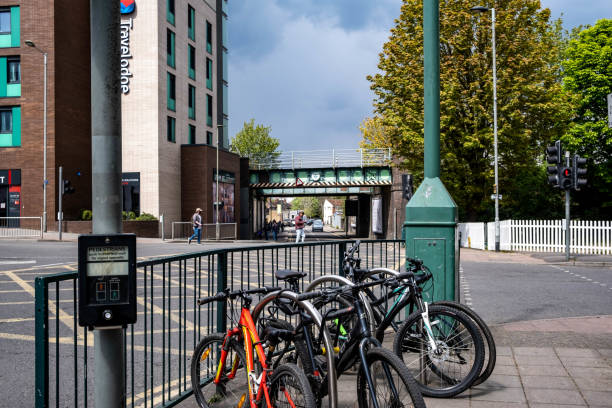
(20, 227)
(170, 324)
(183, 230)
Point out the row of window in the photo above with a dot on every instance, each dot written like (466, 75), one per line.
(9, 27)
(171, 132)
(170, 11)
(191, 57)
(171, 86)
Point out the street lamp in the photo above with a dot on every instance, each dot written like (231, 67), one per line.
(30, 43)
(217, 226)
(482, 9)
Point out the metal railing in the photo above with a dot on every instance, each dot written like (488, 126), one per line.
(158, 347)
(21, 227)
(183, 230)
(309, 159)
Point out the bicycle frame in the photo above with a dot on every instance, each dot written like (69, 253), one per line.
(258, 387)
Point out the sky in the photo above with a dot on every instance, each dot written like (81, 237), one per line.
(300, 66)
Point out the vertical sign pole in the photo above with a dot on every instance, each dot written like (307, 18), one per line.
(496, 192)
(567, 212)
(60, 194)
(106, 182)
(217, 227)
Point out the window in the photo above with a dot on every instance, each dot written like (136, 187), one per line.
(5, 21)
(171, 92)
(191, 102)
(13, 74)
(170, 49)
(208, 137)
(9, 27)
(170, 11)
(209, 37)
(209, 110)
(171, 129)
(209, 70)
(192, 134)
(191, 23)
(6, 121)
(192, 61)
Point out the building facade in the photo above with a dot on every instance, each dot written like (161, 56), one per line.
(174, 93)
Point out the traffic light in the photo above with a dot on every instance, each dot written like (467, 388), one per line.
(566, 180)
(407, 186)
(68, 189)
(578, 171)
(553, 156)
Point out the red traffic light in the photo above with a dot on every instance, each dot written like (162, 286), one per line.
(567, 172)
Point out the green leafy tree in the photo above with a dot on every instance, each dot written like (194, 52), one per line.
(311, 206)
(255, 142)
(532, 109)
(588, 77)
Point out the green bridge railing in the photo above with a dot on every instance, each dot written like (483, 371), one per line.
(158, 346)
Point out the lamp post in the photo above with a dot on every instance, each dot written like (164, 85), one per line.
(482, 9)
(217, 226)
(45, 181)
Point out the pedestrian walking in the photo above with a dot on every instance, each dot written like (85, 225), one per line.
(196, 223)
(299, 227)
(266, 229)
(275, 230)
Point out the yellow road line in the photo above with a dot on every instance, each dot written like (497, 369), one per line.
(17, 320)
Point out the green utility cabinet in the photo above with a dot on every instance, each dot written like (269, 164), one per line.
(431, 235)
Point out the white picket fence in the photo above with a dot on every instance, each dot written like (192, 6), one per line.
(587, 237)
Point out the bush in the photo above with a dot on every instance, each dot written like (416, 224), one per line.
(145, 217)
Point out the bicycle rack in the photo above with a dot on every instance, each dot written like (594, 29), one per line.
(316, 317)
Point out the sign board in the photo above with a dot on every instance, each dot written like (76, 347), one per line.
(610, 110)
(493, 196)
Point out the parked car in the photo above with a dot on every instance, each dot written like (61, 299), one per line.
(287, 222)
(309, 221)
(317, 225)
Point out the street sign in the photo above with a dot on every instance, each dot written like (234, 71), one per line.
(610, 110)
(493, 196)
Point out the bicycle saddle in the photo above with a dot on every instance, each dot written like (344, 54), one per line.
(285, 274)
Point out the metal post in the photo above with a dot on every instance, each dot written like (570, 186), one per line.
(106, 182)
(217, 226)
(60, 194)
(45, 181)
(431, 46)
(567, 213)
(161, 220)
(496, 189)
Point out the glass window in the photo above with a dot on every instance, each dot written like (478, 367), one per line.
(192, 61)
(171, 92)
(170, 11)
(209, 110)
(192, 134)
(5, 21)
(209, 73)
(170, 48)
(171, 129)
(13, 71)
(191, 102)
(209, 137)
(6, 121)
(209, 37)
(191, 23)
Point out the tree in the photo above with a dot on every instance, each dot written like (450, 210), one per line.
(310, 205)
(588, 77)
(256, 143)
(532, 109)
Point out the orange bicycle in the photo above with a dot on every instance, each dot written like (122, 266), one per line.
(233, 369)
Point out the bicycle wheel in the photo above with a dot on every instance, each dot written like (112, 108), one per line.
(489, 342)
(393, 385)
(289, 388)
(232, 390)
(459, 354)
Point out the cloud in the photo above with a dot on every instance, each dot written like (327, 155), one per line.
(575, 13)
(309, 84)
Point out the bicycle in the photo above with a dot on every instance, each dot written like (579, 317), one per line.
(450, 352)
(216, 383)
(382, 379)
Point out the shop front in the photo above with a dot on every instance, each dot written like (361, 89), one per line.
(10, 198)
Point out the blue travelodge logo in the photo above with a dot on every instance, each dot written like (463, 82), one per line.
(127, 6)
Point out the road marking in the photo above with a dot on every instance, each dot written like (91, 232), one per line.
(17, 262)
(17, 320)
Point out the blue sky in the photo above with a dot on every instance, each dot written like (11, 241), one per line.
(299, 66)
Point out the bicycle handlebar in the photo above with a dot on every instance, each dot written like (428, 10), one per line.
(234, 294)
(354, 288)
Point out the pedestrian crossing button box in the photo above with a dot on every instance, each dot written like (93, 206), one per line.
(107, 280)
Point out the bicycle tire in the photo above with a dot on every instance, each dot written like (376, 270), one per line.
(411, 397)
(290, 375)
(456, 336)
(207, 394)
(490, 350)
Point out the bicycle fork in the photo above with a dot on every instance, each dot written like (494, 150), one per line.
(427, 325)
(368, 375)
